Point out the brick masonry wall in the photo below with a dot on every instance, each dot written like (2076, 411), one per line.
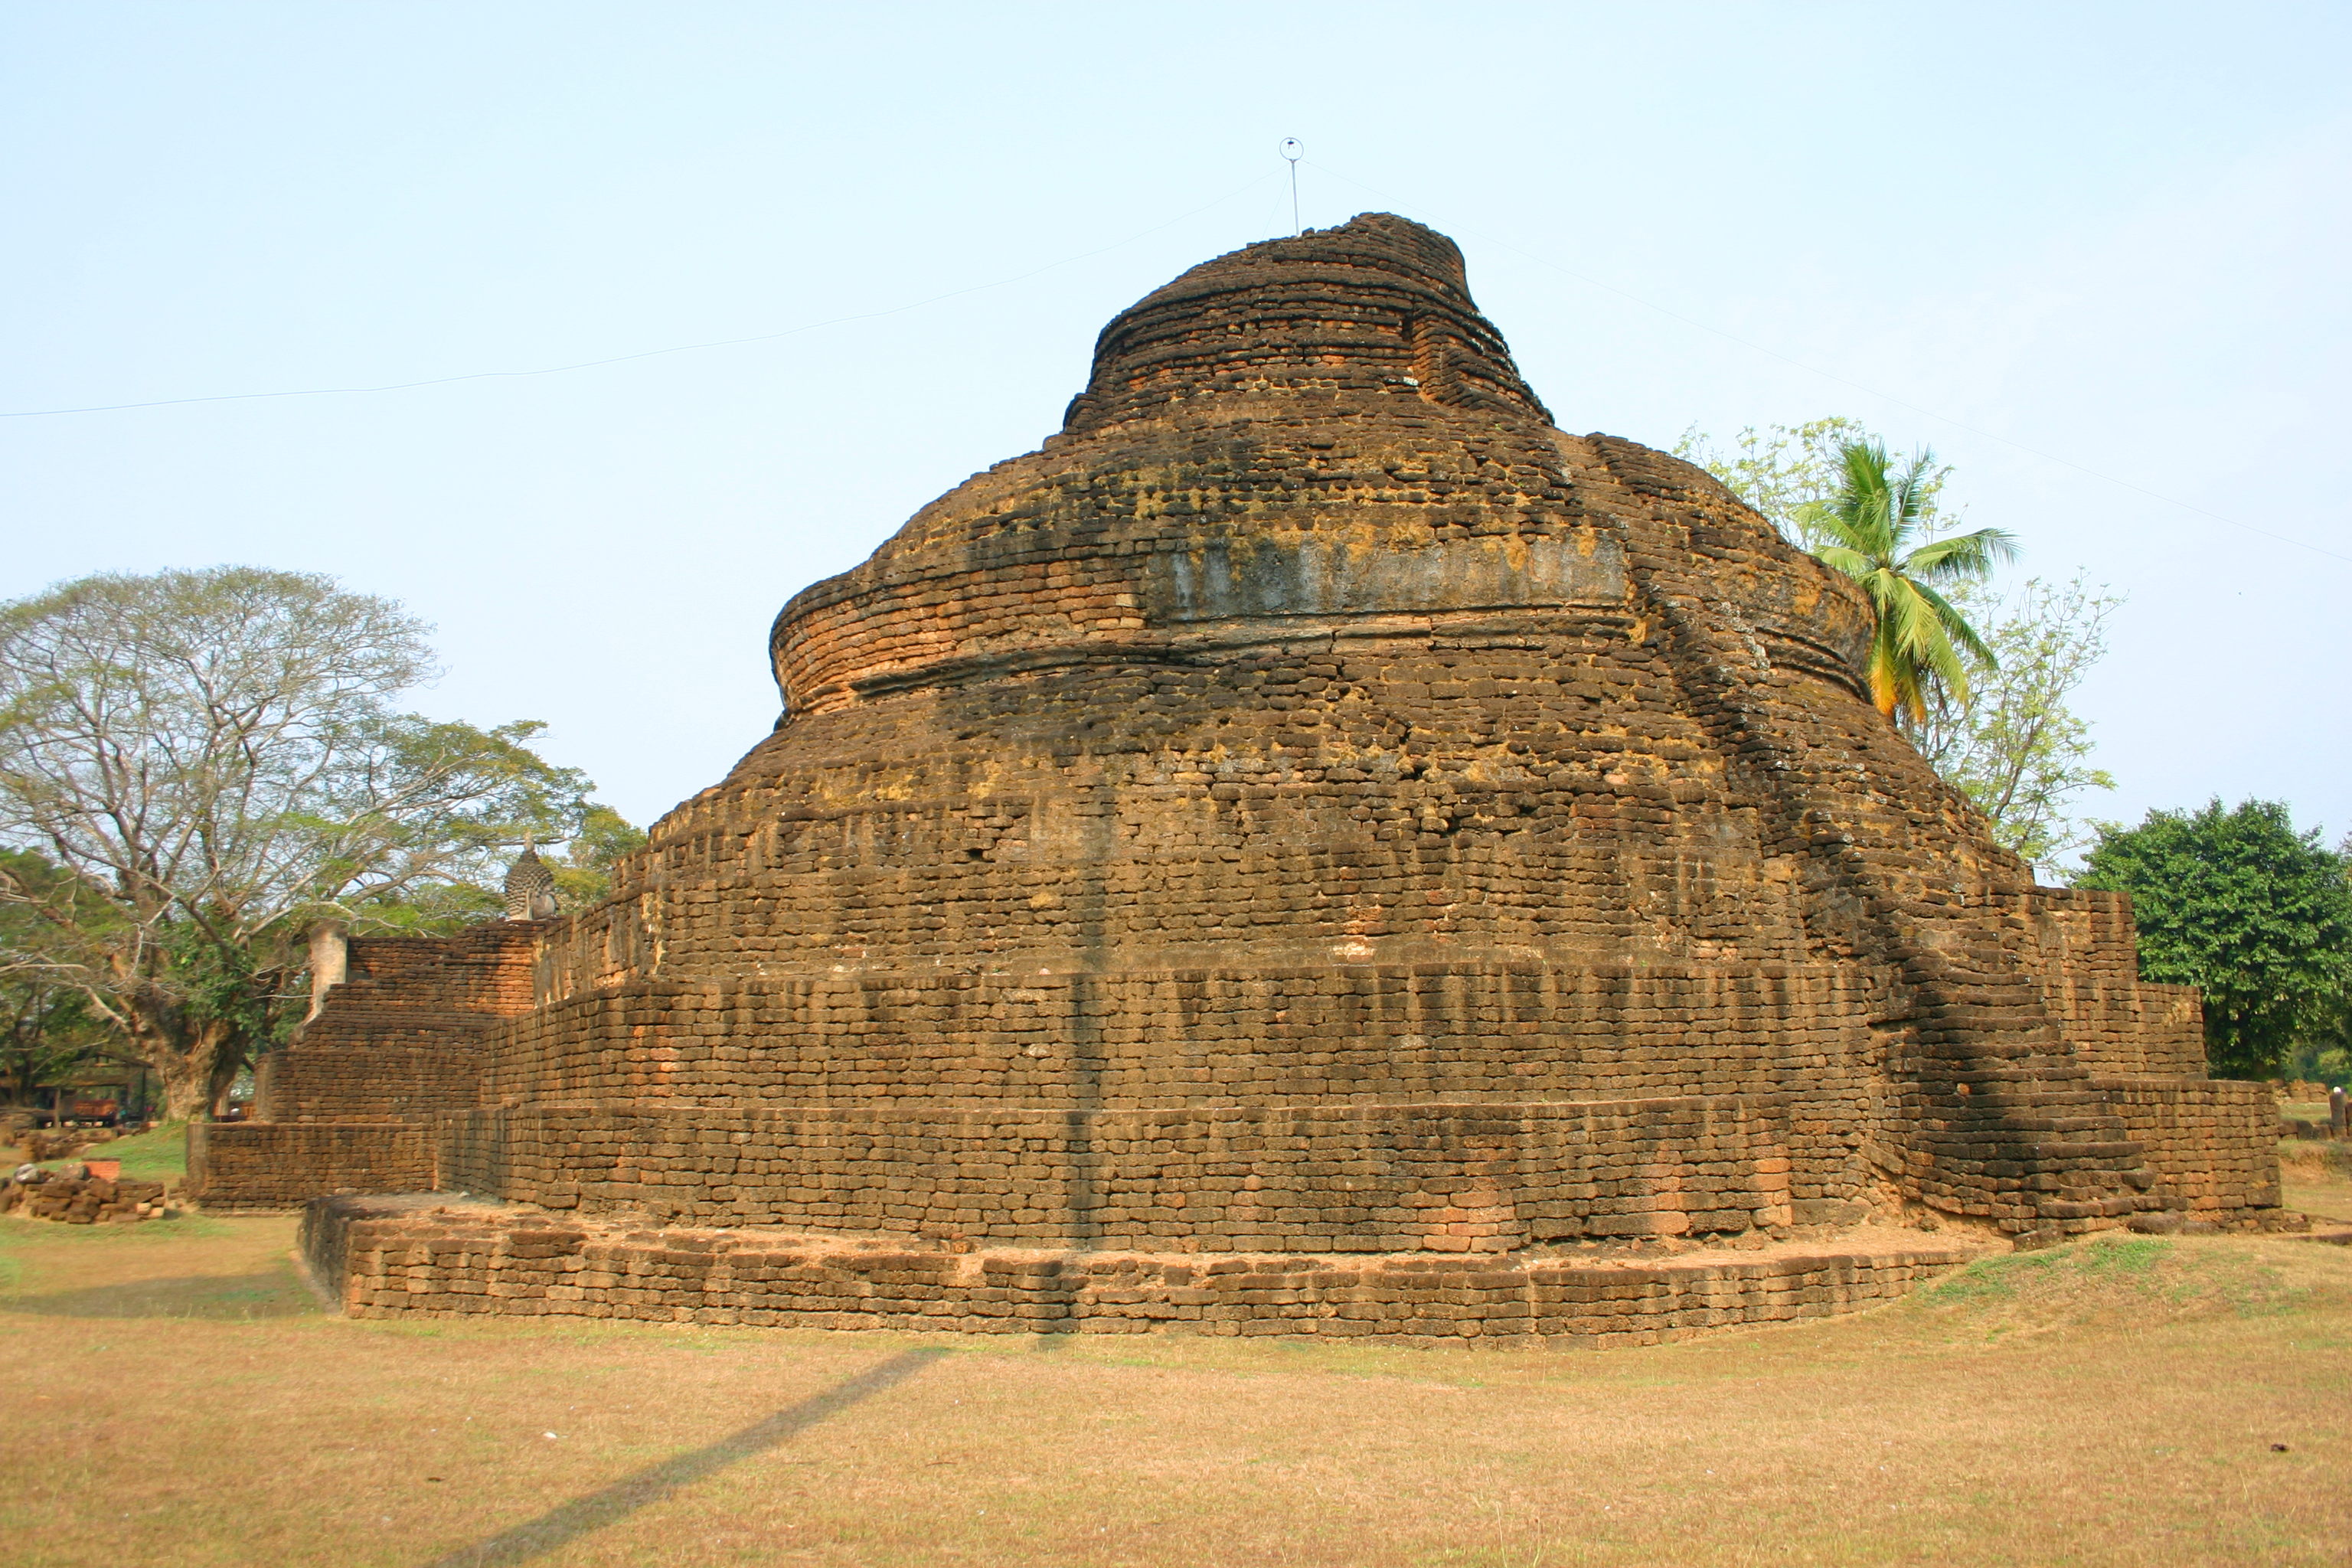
(346, 1107)
(2088, 961)
(428, 989)
(1270, 1036)
(2129, 1029)
(250, 1165)
(399, 1037)
(2087, 931)
(389, 1259)
(390, 1083)
(2213, 1144)
(1313, 1178)
(896, 847)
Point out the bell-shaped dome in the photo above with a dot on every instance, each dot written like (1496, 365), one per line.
(1376, 304)
(1306, 433)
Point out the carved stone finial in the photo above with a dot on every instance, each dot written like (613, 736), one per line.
(529, 887)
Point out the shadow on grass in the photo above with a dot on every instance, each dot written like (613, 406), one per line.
(233, 1296)
(561, 1526)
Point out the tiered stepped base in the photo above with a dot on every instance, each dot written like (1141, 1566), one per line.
(426, 1255)
(1312, 849)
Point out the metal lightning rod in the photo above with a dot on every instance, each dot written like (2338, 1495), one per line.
(1294, 148)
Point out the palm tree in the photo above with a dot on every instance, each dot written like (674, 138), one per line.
(1875, 526)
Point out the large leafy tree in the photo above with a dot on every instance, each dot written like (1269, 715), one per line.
(210, 760)
(47, 1027)
(2238, 904)
(1873, 526)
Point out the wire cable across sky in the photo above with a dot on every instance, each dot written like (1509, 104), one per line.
(652, 353)
(1288, 146)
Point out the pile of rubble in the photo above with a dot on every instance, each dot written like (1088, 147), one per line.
(75, 1195)
(64, 1144)
(2338, 1124)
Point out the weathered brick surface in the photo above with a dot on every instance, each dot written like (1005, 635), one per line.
(401, 1038)
(2213, 1144)
(428, 991)
(2088, 963)
(396, 1258)
(1339, 1178)
(391, 1082)
(397, 1042)
(1313, 805)
(235, 1165)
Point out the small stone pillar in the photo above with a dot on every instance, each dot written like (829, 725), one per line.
(331, 962)
(2336, 1111)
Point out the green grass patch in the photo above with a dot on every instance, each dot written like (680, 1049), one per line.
(159, 1154)
(2142, 1280)
(19, 1234)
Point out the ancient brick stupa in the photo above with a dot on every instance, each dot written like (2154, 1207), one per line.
(1313, 848)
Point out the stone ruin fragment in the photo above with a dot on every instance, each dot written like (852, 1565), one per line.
(1313, 848)
(529, 887)
(79, 1194)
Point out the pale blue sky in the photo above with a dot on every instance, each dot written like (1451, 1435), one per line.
(2114, 233)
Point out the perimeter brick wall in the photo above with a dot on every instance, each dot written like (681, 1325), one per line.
(389, 1259)
(257, 1165)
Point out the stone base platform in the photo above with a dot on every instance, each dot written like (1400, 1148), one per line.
(432, 1254)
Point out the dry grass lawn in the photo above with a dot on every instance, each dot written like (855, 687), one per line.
(2317, 1178)
(175, 1397)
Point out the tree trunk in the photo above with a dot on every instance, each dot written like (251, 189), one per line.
(187, 1085)
(190, 1057)
(226, 1065)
